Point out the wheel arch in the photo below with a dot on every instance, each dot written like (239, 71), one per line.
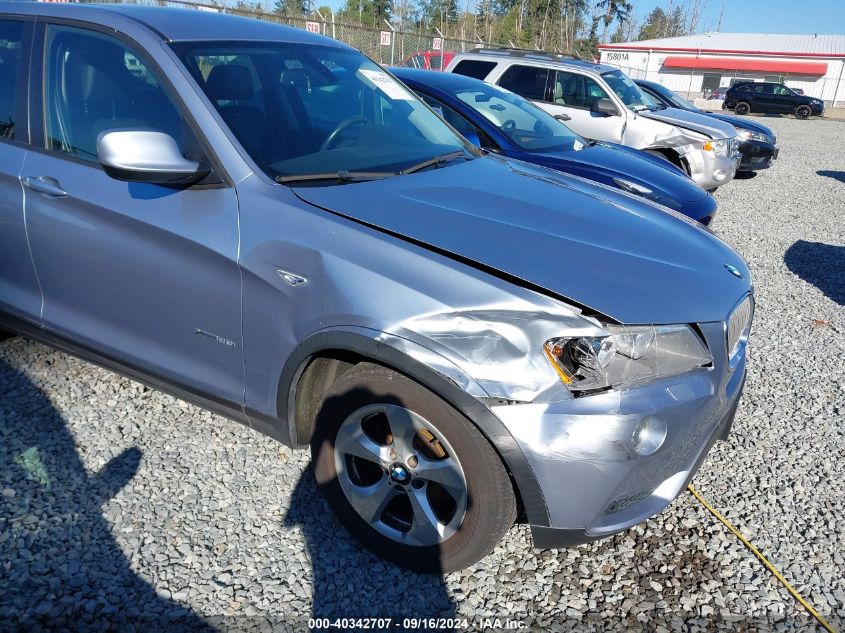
(321, 358)
(672, 156)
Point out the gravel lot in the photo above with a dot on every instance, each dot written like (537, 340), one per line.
(125, 508)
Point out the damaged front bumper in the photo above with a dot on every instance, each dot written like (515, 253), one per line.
(584, 451)
(709, 170)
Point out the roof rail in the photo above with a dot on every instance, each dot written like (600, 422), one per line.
(522, 52)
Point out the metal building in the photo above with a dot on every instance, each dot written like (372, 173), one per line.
(699, 64)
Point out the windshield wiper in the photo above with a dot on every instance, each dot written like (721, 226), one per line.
(437, 160)
(341, 175)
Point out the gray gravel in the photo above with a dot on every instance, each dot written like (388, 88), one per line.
(123, 508)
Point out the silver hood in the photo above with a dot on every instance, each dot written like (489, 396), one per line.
(617, 254)
(694, 121)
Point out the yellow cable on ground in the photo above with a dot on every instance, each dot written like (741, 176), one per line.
(768, 565)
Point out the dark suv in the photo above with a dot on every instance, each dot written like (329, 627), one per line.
(771, 98)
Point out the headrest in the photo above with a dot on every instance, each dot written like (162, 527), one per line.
(296, 78)
(229, 82)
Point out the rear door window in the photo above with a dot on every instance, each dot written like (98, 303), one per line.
(11, 39)
(475, 68)
(528, 82)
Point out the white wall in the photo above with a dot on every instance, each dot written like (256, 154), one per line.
(645, 65)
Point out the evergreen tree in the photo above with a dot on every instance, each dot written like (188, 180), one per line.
(291, 7)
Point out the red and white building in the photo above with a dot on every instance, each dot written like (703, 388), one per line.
(702, 63)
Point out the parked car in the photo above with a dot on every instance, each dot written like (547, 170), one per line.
(461, 339)
(757, 145)
(600, 102)
(429, 60)
(717, 94)
(771, 98)
(503, 122)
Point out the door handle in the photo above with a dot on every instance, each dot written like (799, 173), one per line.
(46, 185)
(563, 117)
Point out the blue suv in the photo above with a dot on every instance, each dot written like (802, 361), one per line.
(265, 222)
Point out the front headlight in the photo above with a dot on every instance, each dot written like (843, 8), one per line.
(720, 147)
(751, 135)
(630, 354)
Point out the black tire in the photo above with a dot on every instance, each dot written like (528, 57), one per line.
(742, 108)
(803, 112)
(5, 335)
(490, 508)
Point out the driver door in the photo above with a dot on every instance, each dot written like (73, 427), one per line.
(575, 95)
(140, 273)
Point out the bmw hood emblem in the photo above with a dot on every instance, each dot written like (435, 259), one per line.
(734, 271)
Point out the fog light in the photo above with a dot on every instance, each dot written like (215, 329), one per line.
(648, 435)
(720, 174)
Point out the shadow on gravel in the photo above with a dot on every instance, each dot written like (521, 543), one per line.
(836, 175)
(745, 175)
(60, 568)
(822, 265)
(380, 589)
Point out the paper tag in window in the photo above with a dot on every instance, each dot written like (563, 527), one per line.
(383, 82)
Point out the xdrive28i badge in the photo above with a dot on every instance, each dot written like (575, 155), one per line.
(734, 271)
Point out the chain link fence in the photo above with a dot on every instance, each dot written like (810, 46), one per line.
(384, 45)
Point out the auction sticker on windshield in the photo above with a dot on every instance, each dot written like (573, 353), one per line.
(383, 82)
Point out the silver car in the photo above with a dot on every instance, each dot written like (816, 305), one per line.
(601, 102)
(265, 222)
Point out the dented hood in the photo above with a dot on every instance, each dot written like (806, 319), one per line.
(610, 251)
(694, 121)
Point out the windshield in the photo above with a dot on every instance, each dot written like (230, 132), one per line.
(673, 98)
(629, 92)
(529, 127)
(307, 109)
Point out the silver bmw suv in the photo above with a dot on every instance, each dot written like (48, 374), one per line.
(265, 222)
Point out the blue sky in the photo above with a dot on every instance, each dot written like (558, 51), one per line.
(747, 16)
(766, 16)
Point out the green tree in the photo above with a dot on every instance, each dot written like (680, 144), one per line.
(660, 24)
(439, 13)
(381, 10)
(291, 7)
(614, 10)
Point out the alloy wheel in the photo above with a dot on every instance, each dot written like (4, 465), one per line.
(400, 474)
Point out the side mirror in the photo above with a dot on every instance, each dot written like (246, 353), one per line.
(472, 137)
(146, 156)
(605, 107)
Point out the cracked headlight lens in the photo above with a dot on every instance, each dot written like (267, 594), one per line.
(751, 135)
(628, 355)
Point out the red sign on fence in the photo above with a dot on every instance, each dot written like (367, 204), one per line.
(385, 38)
(312, 27)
